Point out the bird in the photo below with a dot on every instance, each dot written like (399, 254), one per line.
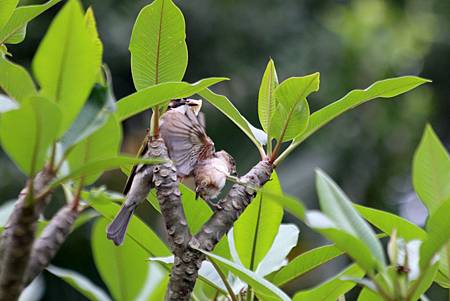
(193, 151)
(182, 128)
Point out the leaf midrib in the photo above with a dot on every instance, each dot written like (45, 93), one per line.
(64, 56)
(309, 131)
(158, 43)
(255, 237)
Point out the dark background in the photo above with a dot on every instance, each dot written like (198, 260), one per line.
(368, 151)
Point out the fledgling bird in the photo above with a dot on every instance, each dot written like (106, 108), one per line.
(193, 152)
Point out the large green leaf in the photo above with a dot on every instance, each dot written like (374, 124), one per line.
(7, 104)
(258, 225)
(137, 230)
(15, 80)
(438, 228)
(101, 165)
(6, 10)
(388, 222)
(266, 98)
(338, 208)
(431, 171)
(305, 263)
(385, 89)
(14, 30)
(259, 284)
(332, 289)
(80, 283)
(226, 107)
(289, 203)
(292, 111)
(67, 62)
(123, 269)
(92, 117)
(158, 47)
(102, 144)
(27, 133)
(159, 94)
(343, 240)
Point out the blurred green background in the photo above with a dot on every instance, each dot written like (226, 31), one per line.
(368, 151)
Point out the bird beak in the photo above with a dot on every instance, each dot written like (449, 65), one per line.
(195, 104)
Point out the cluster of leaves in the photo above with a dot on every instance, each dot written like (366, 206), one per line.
(72, 125)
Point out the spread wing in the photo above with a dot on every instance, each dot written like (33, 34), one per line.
(186, 140)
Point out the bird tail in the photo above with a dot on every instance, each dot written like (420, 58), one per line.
(118, 227)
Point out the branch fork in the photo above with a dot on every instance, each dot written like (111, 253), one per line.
(188, 259)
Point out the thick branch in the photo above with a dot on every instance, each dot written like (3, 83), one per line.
(185, 269)
(166, 183)
(18, 237)
(51, 240)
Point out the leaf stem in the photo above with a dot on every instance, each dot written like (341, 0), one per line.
(76, 200)
(380, 289)
(154, 122)
(225, 281)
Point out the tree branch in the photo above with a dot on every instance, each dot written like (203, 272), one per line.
(51, 240)
(18, 237)
(166, 183)
(185, 269)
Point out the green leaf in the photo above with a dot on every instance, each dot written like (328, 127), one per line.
(224, 105)
(343, 240)
(7, 104)
(292, 112)
(18, 36)
(93, 116)
(91, 26)
(159, 94)
(67, 62)
(442, 279)
(332, 289)
(6, 10)
(387, 222)
(338, 208)
(259, 284)
(137, 230)
(197, 211)
(289, 203)
(14, 30)
(425, 281)
(123, 269)
(258, 225)
(104, 143)
(431, 171)
(336, 205)
(27, 133)
(101, 165)
(438, 228)
(15, 80)
(305, 263)
(158, 47)
(385, 89)
(266, 98)
(80, 283)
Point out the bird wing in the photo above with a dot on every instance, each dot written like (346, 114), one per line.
(186, 140)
